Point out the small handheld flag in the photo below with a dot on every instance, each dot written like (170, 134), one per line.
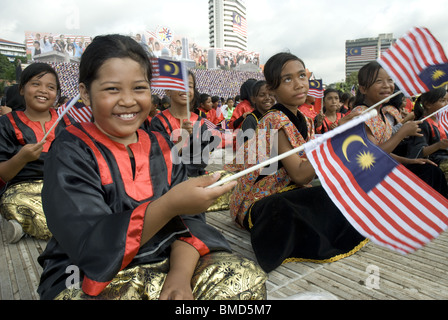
(169, 75)
(442, 118)
(78, 111)
(316, 89)
(71, 104)
(382, 199)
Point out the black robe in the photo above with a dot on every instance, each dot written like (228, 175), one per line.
(17, 130)
(95, 198)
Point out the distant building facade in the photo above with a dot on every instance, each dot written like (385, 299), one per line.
(228, 24)
(359, 52)
(12, 50)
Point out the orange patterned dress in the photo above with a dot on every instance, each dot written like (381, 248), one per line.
(258, 150)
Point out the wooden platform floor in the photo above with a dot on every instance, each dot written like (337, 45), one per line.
(374, 273)
(19, 270)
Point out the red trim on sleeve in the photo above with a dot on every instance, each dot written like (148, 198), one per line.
(134, 234)
(197, 244)
(93, 288)
(18, 133)
(133, 238)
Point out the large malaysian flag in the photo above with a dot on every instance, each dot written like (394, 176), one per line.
(416, 62)
(382, 199)
(367, 53)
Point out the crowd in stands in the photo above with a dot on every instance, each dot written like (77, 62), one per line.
(221, 83)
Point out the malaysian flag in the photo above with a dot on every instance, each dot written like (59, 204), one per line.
(442, 118)
(169, 75)
(239, 24)
(210, 125)
(80, 112)
(416, 62)
(367, 53)
(316, 89)
(383, 200)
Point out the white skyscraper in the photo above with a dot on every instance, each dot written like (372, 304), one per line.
(228, 24)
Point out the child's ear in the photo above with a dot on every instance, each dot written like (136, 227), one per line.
(84, 93)
(362, 89)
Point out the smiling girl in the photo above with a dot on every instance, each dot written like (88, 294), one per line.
(263, 100)
(23, 153)
(288, 220)
(121, 212)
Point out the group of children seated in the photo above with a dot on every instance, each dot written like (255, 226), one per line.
(123, 198)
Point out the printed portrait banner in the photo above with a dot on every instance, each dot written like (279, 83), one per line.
(44, 42)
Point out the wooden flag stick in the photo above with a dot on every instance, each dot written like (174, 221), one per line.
(362, 118)
(71, 104)
(440, 110)
(382, 101)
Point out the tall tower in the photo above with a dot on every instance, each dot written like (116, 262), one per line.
(359, 52)
(228, 24)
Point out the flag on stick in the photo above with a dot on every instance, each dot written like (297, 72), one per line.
(382, 199)
(169, 75)
(78, 111)
(442, 118)
(416, 62)
(63, 113)
(316, 89)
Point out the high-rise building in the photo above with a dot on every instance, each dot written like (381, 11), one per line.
(362, 51)
(228, 24)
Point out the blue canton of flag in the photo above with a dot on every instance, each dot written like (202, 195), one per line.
(354, 52)
(435, 76)
(169, 75)
(382, 199)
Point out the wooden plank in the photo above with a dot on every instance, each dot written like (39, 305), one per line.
(6, 290)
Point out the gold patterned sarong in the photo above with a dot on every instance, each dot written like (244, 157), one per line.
(222, 203)
(218, 276)
(23, 202)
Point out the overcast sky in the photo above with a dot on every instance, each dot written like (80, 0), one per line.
(314, 30)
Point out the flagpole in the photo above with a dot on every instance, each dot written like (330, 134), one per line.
(382, 101)
(440, 110)
(317, 141)
(71, 104)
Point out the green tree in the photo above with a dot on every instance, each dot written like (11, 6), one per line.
(346, 86)
(7, 69)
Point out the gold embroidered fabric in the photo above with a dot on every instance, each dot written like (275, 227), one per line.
(218, 276)
(222, 203)
(23, 202)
